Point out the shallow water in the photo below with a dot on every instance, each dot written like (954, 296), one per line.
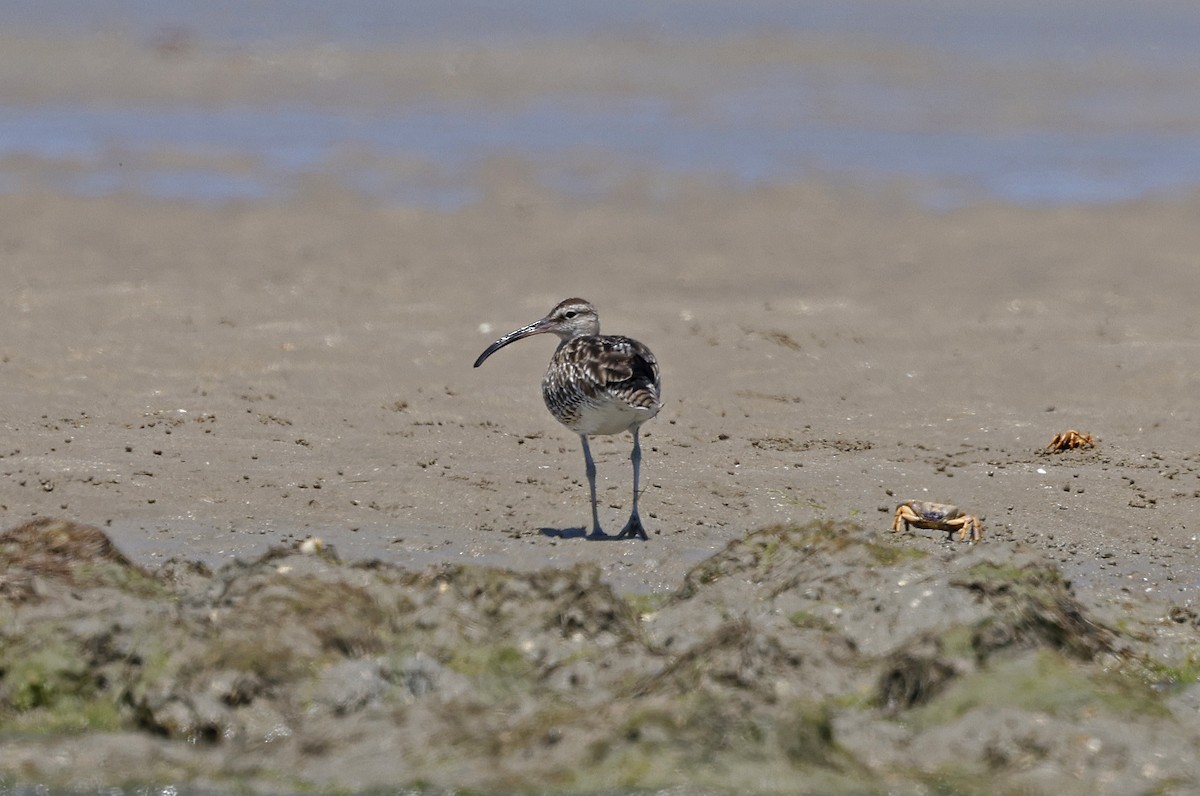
(559, 136)
(1025, 103)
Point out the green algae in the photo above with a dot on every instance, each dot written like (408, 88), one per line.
(763, 552)
(644, 605)
(48, 686)
(39, 674)
(807, 620)
(1044, 681)
(1163, 676)
(501, 670)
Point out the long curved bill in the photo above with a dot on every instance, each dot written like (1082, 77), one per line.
(537, 327)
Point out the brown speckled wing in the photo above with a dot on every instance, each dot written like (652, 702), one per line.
(596, 371)
(624, 367)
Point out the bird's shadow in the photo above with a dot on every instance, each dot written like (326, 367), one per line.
(576, 533)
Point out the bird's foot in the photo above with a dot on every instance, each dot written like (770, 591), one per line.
(633, 529)
(598, 535)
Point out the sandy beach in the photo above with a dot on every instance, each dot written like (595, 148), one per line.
(208, 382)
(204, 380)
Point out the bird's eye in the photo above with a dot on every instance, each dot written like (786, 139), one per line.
(570, 314)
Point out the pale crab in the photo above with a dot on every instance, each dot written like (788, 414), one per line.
(938, 517)
(1071, 439)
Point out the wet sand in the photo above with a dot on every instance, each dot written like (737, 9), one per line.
(207, 382)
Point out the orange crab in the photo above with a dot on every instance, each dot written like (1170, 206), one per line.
(938, 517)
(1071, 439)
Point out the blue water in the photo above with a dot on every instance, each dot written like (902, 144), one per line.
(937, 134)
(1032, 168)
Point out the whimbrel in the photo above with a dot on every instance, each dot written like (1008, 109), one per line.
(596, 384)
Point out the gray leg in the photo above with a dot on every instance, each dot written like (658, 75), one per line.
(633, 528)
(589, 467)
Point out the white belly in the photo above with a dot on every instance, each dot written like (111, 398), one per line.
(611, 417)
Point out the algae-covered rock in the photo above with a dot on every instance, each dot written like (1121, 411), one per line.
(821, 658)
(46, 553)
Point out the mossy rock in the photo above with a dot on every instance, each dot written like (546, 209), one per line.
(53, 551)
